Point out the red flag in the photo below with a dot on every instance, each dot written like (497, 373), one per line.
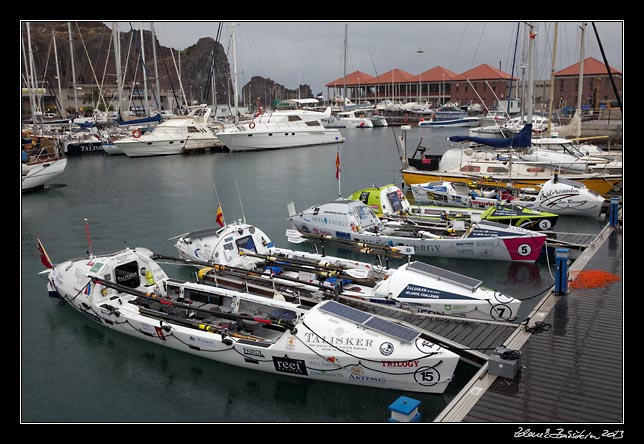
(220, 216)
(44, 257)
(337, 166)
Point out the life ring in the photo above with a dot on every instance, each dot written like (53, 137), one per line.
(251, 125)
(136, 133)
(361, 124)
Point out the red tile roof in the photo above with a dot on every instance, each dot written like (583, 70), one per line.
(355, 78)
(483, 72)
(394, 76)
(434, 75)
(592, 66)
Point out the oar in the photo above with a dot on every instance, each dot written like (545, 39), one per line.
(167, 301)
(197, 325)
(364, 247)
(358, 276)
(315, 264)
(243, 271)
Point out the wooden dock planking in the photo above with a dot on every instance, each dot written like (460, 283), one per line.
(572, 372)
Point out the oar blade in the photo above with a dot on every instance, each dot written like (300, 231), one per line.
(294, 236)
(357, 273)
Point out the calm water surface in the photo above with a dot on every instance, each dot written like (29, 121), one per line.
(73, 370)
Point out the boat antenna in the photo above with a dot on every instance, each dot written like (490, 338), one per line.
(89, 239)
(240, 201)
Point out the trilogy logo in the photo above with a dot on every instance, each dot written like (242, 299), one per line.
(400, 363)
(288, 365)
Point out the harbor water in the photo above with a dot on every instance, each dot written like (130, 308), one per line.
(75, 371)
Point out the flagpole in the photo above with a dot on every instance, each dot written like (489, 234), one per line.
(240, 200)
(338, 172)
(219, 206)
(89, 239)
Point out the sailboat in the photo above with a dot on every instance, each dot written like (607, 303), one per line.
(42, 157)
(494, 168)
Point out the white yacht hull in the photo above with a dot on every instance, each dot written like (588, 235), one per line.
(136, 148)
(255, 141)
(40, 174)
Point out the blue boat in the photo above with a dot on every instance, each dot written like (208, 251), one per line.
(464, 121)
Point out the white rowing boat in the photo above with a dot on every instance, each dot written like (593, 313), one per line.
(129, 292)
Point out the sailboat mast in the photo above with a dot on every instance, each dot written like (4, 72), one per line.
(212, 88)
(178, 71)
(344, 66)
(60, 88)
(71, 56)
(526, 31)
(552, 78)
(235, 99)
(581, 71)
(117, 60)
(145, 74)
(156, 68)
(533, 35)
(29, 73)
(34, 78)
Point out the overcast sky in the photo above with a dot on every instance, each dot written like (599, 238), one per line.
(312, 52)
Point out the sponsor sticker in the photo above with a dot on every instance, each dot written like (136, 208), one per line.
(291, 366)
(386, 348)
(253, 352)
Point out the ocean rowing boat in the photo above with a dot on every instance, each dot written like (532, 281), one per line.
(129, 292)
(240, 255)
(389, 202)
(351, 220)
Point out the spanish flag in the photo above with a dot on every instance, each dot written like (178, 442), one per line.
(44, 257)
(337, 165)
(220, 216)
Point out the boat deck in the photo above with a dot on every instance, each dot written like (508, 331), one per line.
(572, 370)
(471, 338)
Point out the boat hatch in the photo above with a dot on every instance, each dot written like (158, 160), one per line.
(395, 200)
(445, 275)
(246, 243)
(202, 296)
(364, 215)
(370, 321)
(128, 274)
